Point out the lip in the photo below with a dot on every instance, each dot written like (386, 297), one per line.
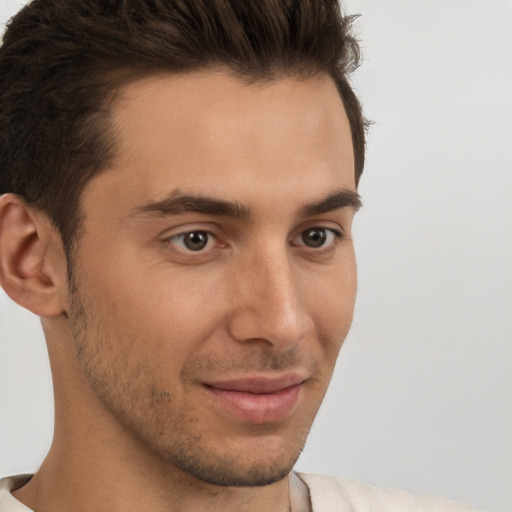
(258, 399)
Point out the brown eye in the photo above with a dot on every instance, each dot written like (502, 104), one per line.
(314, 237)
(195, 240)
(318, 237)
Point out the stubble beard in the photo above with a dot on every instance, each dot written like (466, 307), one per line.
(156, 419)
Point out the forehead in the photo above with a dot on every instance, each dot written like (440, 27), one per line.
(210, 130)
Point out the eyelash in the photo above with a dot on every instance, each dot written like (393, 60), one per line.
(176, 237)
(337, 237)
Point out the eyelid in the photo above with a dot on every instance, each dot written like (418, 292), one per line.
(189, 227)
(169, 237)
(337, 233)
(183, 234)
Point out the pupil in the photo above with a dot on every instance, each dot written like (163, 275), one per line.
(314, 237)
(196, 240)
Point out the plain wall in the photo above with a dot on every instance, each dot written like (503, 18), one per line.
(421, 397)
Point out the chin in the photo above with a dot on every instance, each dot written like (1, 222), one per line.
(230, 473)
(253, 462)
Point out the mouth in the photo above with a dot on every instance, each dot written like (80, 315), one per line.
(258, 399)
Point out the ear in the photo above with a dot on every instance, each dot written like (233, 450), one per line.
(33, 268)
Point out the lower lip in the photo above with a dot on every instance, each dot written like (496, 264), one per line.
(258, 407)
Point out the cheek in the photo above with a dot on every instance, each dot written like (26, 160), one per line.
(331, 307)
(157, 312)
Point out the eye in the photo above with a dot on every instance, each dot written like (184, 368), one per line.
(193, 240)
(317, 237)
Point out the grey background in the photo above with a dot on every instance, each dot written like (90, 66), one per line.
(421, 396)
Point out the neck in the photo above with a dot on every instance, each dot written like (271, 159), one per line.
(84, 476)
(94, 463)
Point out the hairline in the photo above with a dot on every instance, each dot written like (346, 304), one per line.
(118, 80)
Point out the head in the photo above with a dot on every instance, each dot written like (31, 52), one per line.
(67, 61)
(196, 165)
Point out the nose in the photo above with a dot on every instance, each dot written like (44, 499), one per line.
(266, 300)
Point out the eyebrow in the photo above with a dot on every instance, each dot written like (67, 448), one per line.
(191, 203)
(342, 198)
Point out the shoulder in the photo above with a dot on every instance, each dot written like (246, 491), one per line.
(330, 494)
(7, 501)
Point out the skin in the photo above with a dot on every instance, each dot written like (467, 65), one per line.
(147, 325)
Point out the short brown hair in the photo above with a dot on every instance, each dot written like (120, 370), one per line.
(62, 61)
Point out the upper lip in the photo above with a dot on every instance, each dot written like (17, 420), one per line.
(259, 384)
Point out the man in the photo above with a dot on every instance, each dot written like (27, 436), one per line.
(178, 183)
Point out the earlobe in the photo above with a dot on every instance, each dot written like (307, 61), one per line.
(26, 273)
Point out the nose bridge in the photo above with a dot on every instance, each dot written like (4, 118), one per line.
(268, 303)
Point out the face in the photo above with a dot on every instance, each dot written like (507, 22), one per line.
(214, 280)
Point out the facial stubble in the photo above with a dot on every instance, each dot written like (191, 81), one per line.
(162, 423)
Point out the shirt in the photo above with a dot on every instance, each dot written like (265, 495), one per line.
(328, 494)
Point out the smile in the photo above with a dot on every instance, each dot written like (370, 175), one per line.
(257, 400)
